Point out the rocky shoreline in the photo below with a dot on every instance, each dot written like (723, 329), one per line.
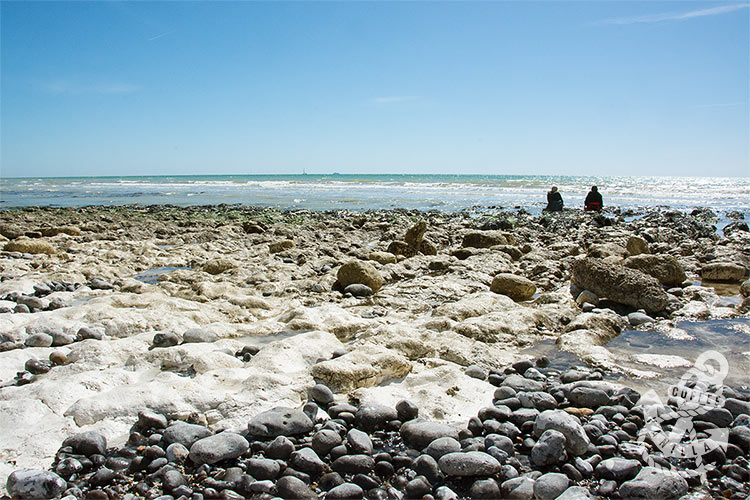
(214, 315)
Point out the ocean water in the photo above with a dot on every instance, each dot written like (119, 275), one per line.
(366, 192)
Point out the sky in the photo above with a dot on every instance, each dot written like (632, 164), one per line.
(492, 87)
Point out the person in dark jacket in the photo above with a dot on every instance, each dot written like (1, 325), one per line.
(554, 200)
(593, 200)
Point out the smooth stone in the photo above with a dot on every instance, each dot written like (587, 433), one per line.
(406, 410)
(150, 419)
(374, 417)
(442, 446)
(177, 453)
(263, 468)
(321, 394)
(353, 464)
(100, 284)
(418, 487)
(477, 372)
(37, 366)
(86, 333)
(198, 335)
(325, 440)
(358, 290)
(359, 442)
(538, 400)
(522, 384)
(165, 339)
(222, 446)
(280, 421)
(472, 463)
(484, 489)
(576, 493)
(290, 487)
(426, 466)
(499, 441)
(33, 484)
(549, 449)
(60, 339)
(551, 485)
(345, 491)
(38, 340)
(588, 397)
(445, 493)
(306, 460)
(638, 318)
(420, 433)
(184, 433)
(87, 443)
(618, 469)
(518, 488)
(281, 448)
(577, 442)
(654, 484)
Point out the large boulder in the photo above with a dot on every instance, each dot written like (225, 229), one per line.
(620, 284)
(666, 268)
(516, 287)
(359, 272)
(486, 239)
(365, 367)
(219, 265)
(722, 271)
(26, 245)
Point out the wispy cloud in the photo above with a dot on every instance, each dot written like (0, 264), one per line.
(394, 99)
(156, 37)
(68, 87)
(676, 16)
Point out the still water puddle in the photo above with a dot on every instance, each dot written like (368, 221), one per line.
(671, 354)
(152, 275)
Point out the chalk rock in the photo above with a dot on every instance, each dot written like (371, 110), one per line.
(279, 421)
(516, 287)
(722, 271)
(54, 231)
(364, 367)
(26, 245)
(382, 257)
(637, 246)
(359, 272)
(223, 446)
(665, 268)
(486, 239)
(219, 265)
(619, 283)
(280, 246)
(34, 484)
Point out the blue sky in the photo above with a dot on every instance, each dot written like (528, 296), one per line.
(139, 88)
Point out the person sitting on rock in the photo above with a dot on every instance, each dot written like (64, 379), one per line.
(554, 200)
(593, 200)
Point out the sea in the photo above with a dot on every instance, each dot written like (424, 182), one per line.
(448, 193)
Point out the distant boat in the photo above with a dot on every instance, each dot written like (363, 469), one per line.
(304, 172)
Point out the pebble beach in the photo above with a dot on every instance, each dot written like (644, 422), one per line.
(232, 352)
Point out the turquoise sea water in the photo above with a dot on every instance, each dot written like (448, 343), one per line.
(365, 192)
